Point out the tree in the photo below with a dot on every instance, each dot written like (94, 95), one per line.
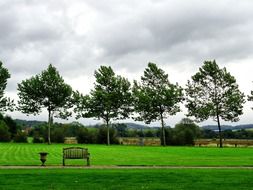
(156, 98)
(121, 129)
(12, 125)
(214, 93)
(186, 131)
(102, 135)
(5, 135)
(250, 98)
(110, 98)
(45, 90)
(5, 103)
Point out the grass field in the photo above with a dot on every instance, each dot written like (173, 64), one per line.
(226, 179)
(27, 154)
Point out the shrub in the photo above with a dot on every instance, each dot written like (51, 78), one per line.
(150, 133)
(37, 138)
(102, 136)
(5, 135)
(20, 137)
(93, 133)
(57, 135)
(121, 129)
(169, 136)
(83, 136)
(13, 128)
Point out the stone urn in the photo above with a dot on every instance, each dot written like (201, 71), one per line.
(43, 157)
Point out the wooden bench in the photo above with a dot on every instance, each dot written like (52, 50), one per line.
(75, 153)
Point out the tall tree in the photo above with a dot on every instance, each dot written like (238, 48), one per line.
(45, 90)
(156, 98)
(250, 97)
(12, 125)
(110, 98)
(5, 103)
(214, 93)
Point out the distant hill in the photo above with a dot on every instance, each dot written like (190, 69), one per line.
(32, 123)
(228, 127)
(136, 126)
(139, 126)
(28, 123)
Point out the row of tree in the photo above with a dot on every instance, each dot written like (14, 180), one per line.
(184, 133)
(211, 93)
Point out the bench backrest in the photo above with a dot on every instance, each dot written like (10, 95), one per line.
(75, 153)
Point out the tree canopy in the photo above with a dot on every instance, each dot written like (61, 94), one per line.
(214, 93)
(110, 98)
(250, 97)
(155, 98)
(5, 103)
(45, 90)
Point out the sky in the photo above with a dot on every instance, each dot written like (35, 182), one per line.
(79, 36)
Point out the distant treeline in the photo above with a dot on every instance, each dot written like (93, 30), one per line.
(183, 133)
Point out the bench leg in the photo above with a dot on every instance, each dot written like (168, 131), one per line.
(63, 162)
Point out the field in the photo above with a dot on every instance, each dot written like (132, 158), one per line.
(225, 179)
(27, 154)
(106, 174)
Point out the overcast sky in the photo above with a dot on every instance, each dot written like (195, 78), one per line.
(79, 36)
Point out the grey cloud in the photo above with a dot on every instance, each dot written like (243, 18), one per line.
(199, 29)
(79, 36)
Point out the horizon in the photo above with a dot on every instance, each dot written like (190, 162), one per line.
(136, 123)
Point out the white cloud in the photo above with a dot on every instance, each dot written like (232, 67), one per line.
(79, 36)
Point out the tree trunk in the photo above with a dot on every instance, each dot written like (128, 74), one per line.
(49, 126)
(163, 131)
(108, 132)
(220, 136)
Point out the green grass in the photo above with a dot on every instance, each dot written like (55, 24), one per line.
(27, 154)
(176, 179)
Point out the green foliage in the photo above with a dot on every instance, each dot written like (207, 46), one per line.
(184, 133)
(214, 93)
(250, 97)
(5, 135)
(102, 136)
(121, 129)
(208, 134)
(110, 98)
(83, 136)
(150, 133)
(57, 135)
(13, 128)
(86, 136)
(46, 90)
(37, 138)
(11, 125)
(5, 103)
(170, 136)
(188, 125)
(20, 137)
(132, 133)
(60, 131)
(156, 98)
(227, 134)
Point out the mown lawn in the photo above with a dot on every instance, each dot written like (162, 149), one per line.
(208, 179)
(27, 154)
